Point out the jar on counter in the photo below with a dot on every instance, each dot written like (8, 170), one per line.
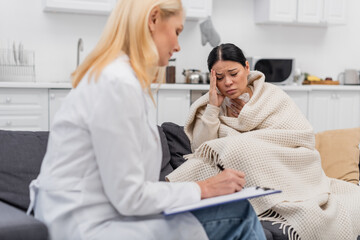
(171, 71)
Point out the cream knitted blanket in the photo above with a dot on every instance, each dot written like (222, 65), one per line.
(273, 143)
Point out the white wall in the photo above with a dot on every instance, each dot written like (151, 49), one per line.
(318, 50)
(322, 51)
(53, 36)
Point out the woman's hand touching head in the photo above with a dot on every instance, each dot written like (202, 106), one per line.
(216, 98)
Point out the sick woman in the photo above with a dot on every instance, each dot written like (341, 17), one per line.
(247, 124)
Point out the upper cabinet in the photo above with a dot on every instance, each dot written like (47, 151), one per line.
(275, 11)
(101, 7)
(300, 12)
(335, 11)
(310, 11)
(197, 9)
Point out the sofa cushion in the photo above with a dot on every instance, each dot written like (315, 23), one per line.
(179, 144)
(166, 167)
(21, 154)
(15, 224)
(273, 232)
(339, 151)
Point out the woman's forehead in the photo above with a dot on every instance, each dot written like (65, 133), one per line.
(225, 66)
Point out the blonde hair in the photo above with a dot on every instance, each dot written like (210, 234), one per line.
(127, 32)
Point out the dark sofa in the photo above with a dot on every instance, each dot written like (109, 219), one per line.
(21, 154)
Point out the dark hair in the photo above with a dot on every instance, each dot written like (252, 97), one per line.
(226, 52)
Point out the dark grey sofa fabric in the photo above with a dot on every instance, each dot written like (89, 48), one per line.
(272, 232)
(166, 167)
(15, 225)
(21, 154)
(178, 143)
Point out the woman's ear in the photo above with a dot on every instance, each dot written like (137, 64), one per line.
(247, 66)
(153, 18)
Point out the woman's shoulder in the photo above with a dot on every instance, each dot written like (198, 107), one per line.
(120, 72)
(117, 78)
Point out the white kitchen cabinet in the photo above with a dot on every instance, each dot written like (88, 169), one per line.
(275, 11)
(300, 12)
(197, 9)
(310, 11)
(301, 100)
(335, 11)
(102, 7)
(334, 109)
(24, 109)
(173, 106)
(56, 97)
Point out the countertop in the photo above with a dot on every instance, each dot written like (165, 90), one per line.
(35, 85)
(176, 86)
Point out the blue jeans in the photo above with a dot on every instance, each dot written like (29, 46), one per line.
(236, 220)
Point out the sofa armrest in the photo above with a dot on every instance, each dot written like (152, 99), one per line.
(15, 224)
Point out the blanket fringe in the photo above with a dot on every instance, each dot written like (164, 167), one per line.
(208, 154)
(188, 156)
(276, 218)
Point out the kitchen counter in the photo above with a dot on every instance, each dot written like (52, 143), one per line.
(176, 86)
(326, 107)
(285, 87)
(320, 87)
(35, 85)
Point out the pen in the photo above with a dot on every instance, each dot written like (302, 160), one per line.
(221, 167)
(264, 188)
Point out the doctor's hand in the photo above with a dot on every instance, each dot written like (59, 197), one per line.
(226, 182)
(215, 97)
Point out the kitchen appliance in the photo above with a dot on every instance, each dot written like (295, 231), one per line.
(276, 70)
(193, 76)
(349, 77)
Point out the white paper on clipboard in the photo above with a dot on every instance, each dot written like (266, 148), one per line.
(246, 193)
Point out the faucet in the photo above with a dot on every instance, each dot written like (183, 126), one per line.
(80, 48)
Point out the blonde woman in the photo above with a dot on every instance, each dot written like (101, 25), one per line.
(99, 177)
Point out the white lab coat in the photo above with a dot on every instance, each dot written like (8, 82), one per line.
(99, 177)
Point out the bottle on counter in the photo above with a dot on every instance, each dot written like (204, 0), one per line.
(171, 71)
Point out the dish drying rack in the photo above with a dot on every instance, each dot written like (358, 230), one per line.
(18, 66)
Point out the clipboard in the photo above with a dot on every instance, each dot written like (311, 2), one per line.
(246, 193)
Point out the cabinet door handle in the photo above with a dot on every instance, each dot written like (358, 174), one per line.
(8, 123)
(52, 96)
(8, 100)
